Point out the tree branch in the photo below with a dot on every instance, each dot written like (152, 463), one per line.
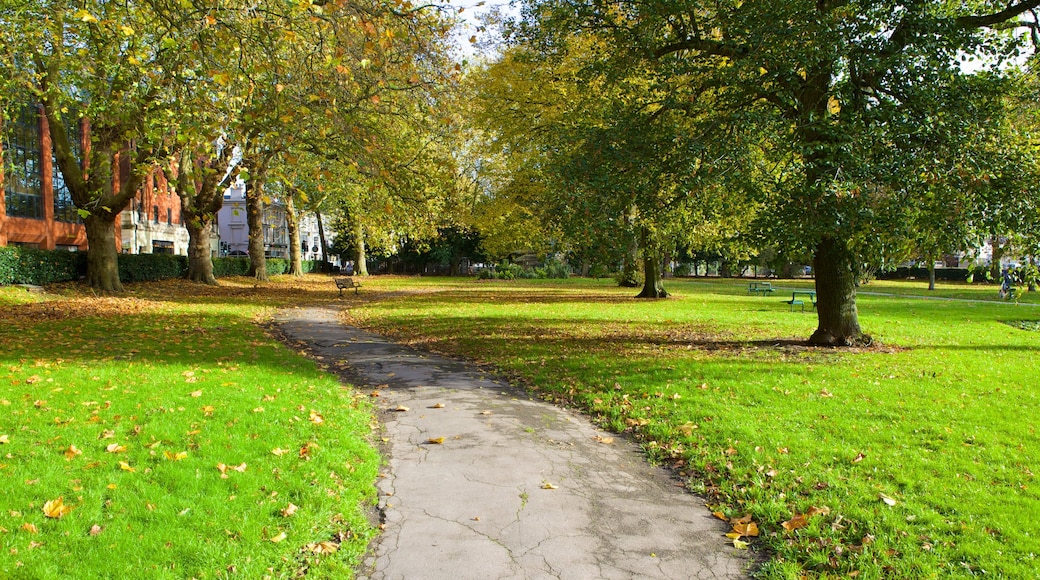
(1013, 10)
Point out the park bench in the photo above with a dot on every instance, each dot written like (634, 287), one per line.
(762, 288)
(796, 301)
(347, 283)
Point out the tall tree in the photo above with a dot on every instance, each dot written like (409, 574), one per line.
(833, 71)
(109, 63)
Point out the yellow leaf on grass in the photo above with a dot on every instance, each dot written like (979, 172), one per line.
(279, 537)
(4, 440)
(115, 448)
(888, 501)
(322, 547)
(95, 530)
(196, 393)
(30, 527)
(813, 511)
(720, 515)
(749, 529)
(796, 522)
(56, 508)
(316, 418)
(289, 510)
(126, 467)
(175, 456)
(72, 452)
(279, 451)
(208, 410)
(740, 544)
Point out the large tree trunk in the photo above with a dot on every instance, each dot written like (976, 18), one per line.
(293, 224)
(836, 297)
(102, 254)
(200, 258)
(256, 165)
(653, 286)
(255, 223)
(931, 274)
(361, 262)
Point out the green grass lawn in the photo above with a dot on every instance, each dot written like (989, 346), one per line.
(913, 459)
(164, 435)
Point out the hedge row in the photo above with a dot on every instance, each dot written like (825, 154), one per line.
(20, 265)
(32, 266)
(947, 274)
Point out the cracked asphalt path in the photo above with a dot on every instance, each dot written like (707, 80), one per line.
(519, 488)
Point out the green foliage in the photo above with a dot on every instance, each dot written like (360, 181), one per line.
(277, 266)
(8, 265)
(151, 267)
(505, 270)
(230, 266)
(20, 265)
(556, 268)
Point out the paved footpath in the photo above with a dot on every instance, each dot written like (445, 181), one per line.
(517, 488)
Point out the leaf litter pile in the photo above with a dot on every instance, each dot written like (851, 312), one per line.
(901, 461)
(171, 431)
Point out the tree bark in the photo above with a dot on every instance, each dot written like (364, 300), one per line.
(196, 178)
(293, 225)
(361, 261)
(931, 274)
(653, 286)
(103, 256)
(255, 223)
(200, 259)
(836, 297)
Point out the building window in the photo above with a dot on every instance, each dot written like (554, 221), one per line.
(169, 216)
(162, 247)
(155, 213)
(22, 193)
(64, 209)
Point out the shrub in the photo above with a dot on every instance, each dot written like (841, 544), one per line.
(555, 268)
(151, 267)
(8, 265)
(948, 274)
(277, 266)
(600, 271)
(230, 267)
(684, 269)
(19, 265)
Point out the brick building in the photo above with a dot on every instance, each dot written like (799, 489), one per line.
(37, 210)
